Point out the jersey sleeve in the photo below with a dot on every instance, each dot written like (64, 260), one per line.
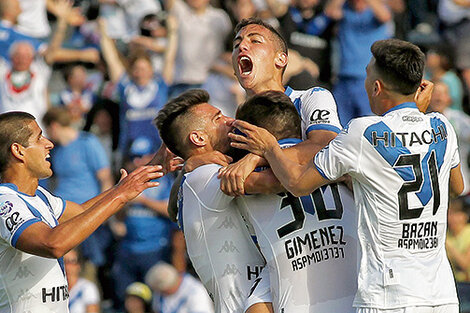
(15, 217)
(342, 155)
(57, 203)
(204, 183)
(318, 111)
(453, 145)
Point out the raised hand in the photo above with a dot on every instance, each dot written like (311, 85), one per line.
(232, 177)
(423, 95)
(257, 140)
(131, 185)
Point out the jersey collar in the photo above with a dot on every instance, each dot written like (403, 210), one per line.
(288, 91)
(286, 141)
(15, 188)
(405, 105)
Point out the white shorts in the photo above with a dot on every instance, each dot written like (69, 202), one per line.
(260, 291)
(446, 308)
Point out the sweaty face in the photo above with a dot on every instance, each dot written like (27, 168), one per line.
(254, 56)
(216, 126)
(37, 152)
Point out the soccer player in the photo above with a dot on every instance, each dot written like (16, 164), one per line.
(259, 58)
(218, 242)
(310, 243)
(38, 228)
(402, 164)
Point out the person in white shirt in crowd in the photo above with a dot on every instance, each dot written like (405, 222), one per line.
(84, 294)
(177, 292)
(201, 36)
(33, 18)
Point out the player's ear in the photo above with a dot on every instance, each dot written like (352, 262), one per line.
(17, 150)
(281, 59)
(378, 87)
(198, 138)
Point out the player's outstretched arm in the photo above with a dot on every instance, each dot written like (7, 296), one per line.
(40, 239)
(296, 178)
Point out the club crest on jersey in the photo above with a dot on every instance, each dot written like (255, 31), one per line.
(5, 207)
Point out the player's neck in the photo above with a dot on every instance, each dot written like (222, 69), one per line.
(24, 182)
(392, 102)
(269, 85)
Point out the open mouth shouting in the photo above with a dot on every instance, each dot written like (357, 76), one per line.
(245, 65)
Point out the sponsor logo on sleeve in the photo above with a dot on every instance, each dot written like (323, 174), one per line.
(320, 116)
(5, 208)
(13, 221)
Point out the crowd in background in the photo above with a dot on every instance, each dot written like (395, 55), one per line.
(95, 74)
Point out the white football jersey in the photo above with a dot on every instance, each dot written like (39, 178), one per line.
(400, 164)
(217, 239)
(31, 98)
(31, 283)
(317, 109)
(310, 245)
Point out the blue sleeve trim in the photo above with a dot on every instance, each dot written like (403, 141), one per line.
(323, 127)
(20, 230)
(320, 170)
(455, 166)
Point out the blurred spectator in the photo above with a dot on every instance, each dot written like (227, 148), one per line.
(103, 121)
(24, 83)
(138, 298)
(135, 10)
(455, 18)
(82, 171)
(363, 23)
(141, 92)
(201, 34)
(33, 18)
(152, 37)
(439, 68)
(440, 102)
(9, 12)
(115, 17)
(458, 249)
(175, 292)
(147, 239)
(78, 97)
(84, 295)
(225, 91)
(307, 27)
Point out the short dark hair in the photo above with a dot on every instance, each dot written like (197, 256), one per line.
(274, 111)
(400, 64)
(174, 118)
(14, 128)
(256, 21)
(59, 115)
